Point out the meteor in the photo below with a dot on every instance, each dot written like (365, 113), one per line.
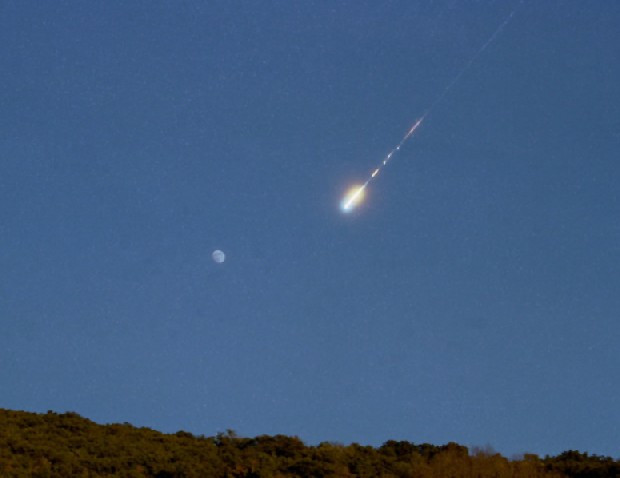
(355, 195)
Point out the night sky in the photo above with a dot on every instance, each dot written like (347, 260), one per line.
(474, 296)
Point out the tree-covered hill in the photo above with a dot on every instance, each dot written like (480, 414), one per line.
(65, 445)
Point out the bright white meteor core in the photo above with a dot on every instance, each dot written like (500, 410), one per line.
(353, 197)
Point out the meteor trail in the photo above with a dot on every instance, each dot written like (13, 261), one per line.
(356, 194)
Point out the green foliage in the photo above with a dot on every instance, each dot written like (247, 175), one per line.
(60, 445)
(581, 465)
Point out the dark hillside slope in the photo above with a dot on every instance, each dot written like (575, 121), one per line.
(63, 445)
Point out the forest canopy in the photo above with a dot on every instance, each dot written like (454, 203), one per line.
(66, 444)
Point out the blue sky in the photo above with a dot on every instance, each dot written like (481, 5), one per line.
(472, 297)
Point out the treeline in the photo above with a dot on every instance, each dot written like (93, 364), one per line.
(63, 445)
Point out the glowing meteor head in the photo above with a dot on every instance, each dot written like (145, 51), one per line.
(353, 197)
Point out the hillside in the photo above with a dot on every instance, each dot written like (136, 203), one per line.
(62, 445)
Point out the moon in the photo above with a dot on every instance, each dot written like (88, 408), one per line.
(218, 256)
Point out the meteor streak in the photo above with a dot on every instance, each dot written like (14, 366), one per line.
(355, 195)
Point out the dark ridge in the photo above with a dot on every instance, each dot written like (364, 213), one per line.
(66, 444)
